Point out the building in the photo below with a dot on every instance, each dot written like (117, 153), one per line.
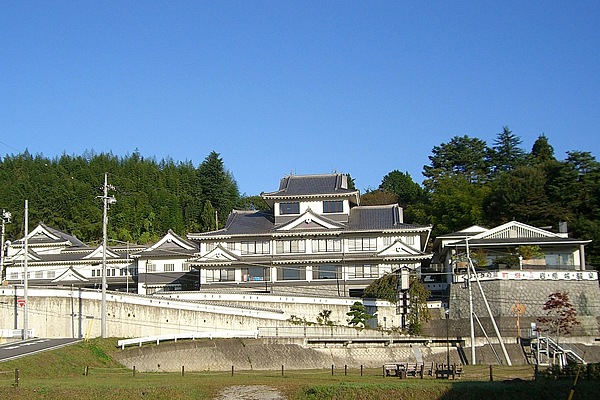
(55, 258)
(315, 239)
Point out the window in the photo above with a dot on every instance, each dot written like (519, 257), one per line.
(326, 245)
(387, 240)
(326, 272)
(169, 267)
(231, 246)
(363, 271)
(333, 206)
(290, 246)
(410, 240)
(186, 267)
(13, 275)
(289, 208)
(254, 274)
(258, 247)
(50, 274)
(39, 274)
(362, 244)
(210, 246)
(289, 273)
(150, 267)
(220, 275)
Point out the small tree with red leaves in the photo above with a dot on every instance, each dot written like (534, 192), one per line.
(561, 316)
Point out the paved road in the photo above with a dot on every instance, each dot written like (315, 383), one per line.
(12, 350)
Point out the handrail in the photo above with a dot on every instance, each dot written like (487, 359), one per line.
(194, 335)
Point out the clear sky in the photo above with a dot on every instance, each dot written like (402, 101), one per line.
(279, 87)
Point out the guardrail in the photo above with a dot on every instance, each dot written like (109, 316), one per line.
(183, 336)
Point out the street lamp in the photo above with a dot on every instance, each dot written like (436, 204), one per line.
(447, 338)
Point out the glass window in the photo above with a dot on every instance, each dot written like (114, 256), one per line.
(325, 272)
(333, 206)
(39, 274)
(362, 244)
(258, 247)
(51, 274)
(291, 273)
(169, 267)
(363, 271)
(14, 275)
(150, 267)
(290, 246)
(326, 245)
(289, 208)
(220, 275)
(254, 274)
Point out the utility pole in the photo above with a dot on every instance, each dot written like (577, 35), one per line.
(106, 201)
(6, 219)
(26, 273)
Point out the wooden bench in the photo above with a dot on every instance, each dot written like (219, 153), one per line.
(447, 371)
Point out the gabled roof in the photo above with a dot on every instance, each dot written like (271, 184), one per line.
(170, 245)
(511, 233)
(324, 185)
(44, 235)
(99, 251)
(310, 221)
(70, 275)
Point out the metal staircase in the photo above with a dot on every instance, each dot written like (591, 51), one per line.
(546, 352)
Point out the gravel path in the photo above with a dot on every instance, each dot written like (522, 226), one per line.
(258, 392)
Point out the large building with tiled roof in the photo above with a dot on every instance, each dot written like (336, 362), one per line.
(315, 239)
(55, 258)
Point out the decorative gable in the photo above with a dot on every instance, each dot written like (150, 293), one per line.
(309, 220)
(171, 241)
(515, 230)
(70, 275)
(40, 232)
(399, 248)
(218, 255)
(98, 253)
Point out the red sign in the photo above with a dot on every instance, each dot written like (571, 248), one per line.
(21, 302)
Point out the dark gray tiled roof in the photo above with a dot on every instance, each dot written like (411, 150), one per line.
(306, 185)
(362, 218)
(377, 218)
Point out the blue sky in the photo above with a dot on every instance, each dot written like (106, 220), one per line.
(279, 87)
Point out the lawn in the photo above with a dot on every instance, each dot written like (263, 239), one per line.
(61, 374)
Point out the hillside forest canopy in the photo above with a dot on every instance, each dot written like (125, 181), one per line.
(466, 182)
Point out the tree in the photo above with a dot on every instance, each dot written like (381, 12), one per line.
(324, 318)
(455, 204)
(505, 154)
(462, 156)
(358, 315)
(403, 186)
(418, 312)
(561, 316)
(378, 197)
(383, 288)
(209, 222)
(218, 186)
(541, 151)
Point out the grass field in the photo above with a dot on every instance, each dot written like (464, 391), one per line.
(60, 374)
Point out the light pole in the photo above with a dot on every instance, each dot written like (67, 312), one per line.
(447, 338)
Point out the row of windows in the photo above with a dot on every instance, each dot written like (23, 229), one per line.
(168, 267)
(299, 245)
(329, 207)
(325, 271)
(52, 274)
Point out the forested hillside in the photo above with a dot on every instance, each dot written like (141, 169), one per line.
(467, 182)
(152, 196)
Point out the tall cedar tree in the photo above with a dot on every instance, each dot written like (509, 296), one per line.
(218, 186)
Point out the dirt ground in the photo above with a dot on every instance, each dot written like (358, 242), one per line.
(259, 392)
